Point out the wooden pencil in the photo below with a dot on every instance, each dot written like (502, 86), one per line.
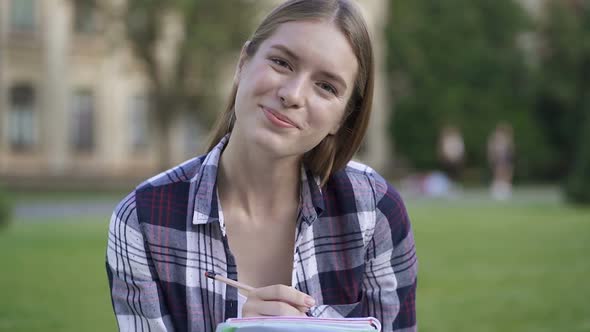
(233, 283)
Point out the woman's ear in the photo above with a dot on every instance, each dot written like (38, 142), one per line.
(241, 61)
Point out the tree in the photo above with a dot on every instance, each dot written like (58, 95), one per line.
(577, 186)
(183, 46)
(459, 62)
(5, 209)
(563, 103)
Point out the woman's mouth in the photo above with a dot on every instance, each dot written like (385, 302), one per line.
(278, 119)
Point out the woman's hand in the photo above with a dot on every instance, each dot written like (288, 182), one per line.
(277, 300)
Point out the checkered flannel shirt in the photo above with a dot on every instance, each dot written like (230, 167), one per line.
(354, 250)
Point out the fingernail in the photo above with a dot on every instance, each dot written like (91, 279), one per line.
(309, 301)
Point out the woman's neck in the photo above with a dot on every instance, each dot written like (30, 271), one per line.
(255, 183)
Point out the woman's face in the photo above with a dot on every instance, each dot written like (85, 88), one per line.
(294, 90)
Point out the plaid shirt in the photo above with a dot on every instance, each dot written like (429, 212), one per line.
(354, 250)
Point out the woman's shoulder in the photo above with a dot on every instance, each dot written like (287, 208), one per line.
(367, 186)
(364, 177)
(164, 194)
(385, 197)
(177, 176)
(181, 173)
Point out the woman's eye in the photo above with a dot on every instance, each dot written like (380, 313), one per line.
(280, 62)
(328, 87)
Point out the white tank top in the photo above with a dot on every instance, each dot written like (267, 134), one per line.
(241, 300)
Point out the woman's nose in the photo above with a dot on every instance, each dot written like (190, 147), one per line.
(292, 93)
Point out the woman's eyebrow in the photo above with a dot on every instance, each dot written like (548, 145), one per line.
(331, 76)
(334, 77)
(286, 50)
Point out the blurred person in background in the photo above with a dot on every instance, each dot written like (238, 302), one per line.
(451, 151)
(501, 159)
(275, 202)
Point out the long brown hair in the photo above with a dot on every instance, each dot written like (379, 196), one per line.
(334, 151)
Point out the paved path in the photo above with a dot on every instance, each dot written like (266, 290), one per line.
(102, 209)
(37, 211)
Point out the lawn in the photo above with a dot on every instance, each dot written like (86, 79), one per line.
(502, 267)
(53, 277)
(520, 266)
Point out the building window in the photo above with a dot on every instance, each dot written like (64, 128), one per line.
(22, 15)
(85, 18)
(82, 132)
(139, 107)
(22, 127)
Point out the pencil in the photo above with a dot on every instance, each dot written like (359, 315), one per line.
(233, 283)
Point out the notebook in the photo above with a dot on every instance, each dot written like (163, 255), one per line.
(304, 324)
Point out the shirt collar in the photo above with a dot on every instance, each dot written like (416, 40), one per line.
(203, 205)
(312, 200)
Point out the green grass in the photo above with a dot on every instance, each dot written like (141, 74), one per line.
(53, 277)
(502, 267)
(521, 266)
(65, 196)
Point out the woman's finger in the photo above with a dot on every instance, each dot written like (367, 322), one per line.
(283, 293)
(256, 307)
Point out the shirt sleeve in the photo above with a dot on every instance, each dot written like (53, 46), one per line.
(389, 285)
(135, 293)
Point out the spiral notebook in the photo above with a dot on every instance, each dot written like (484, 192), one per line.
(304, 324)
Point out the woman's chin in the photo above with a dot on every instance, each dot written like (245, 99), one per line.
(277, 145)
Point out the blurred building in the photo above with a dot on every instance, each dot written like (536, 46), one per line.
(74, 102)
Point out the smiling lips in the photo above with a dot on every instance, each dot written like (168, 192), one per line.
(277, 119)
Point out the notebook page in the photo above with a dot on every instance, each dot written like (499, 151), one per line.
(303, 324)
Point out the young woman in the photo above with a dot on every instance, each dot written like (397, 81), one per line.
(275, 203)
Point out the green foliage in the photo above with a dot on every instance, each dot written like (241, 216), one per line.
(458, 62)
(577, 187)
(564, 88)
(5, 208)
